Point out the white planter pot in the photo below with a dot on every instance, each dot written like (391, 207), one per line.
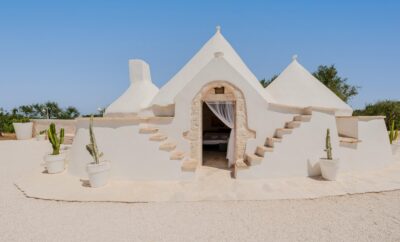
(98, 173)
(23, 130)
(64, 147)
(40, 137)
(55, 163)
(329, 168)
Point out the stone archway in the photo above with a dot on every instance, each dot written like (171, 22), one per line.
(230, 93)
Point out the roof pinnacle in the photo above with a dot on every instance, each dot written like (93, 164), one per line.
(218, 28)
(294, 57)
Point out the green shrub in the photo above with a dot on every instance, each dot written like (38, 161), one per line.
(388, 108)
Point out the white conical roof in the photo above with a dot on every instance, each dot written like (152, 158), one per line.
(217, 44)
(140, 92)
(296, 86)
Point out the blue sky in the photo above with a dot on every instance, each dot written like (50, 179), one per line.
(76, 52)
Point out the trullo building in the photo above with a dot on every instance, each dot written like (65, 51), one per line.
(214, 112)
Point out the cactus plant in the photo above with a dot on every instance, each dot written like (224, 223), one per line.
(328, 146)
(92, 147)
(55, 141)
(393, 134)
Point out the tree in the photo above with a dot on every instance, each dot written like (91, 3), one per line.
(388, 108)
(70, 113)
(39, 110)
(46, 110)
(328, 75)
(266, 83)
(26, 110)
(53, 110)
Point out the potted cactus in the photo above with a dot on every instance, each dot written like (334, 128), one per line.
(23, 128)
(97, 170)
(55, 161)
(329, 166)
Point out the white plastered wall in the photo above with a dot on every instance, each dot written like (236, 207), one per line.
(220, 69)
(133, 156)
(372, 152)
(298, 154)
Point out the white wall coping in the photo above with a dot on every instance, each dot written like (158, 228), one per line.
(362, 118)
(136, 119)
(304, 109)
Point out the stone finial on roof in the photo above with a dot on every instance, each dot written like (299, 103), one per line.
(218, 28)
(294, 57)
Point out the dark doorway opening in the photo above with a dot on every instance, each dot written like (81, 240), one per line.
(215, 140)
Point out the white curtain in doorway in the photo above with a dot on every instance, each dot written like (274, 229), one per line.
(225, 112)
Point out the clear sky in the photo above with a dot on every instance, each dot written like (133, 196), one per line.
(76, 52)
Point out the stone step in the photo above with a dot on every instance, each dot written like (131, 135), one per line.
(292, 124)
(241, 164)
(158, 137)
(260, 150)
(252, 159)
(271, 141)
(302, 118)
(189, 165)
(148, 130)
(168, 146)
(177, 155)
(281, 132)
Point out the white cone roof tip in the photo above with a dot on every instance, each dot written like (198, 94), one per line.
(139, 94)
(298, 87)
(216, 47)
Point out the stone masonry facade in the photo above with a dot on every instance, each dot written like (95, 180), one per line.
(242, 133)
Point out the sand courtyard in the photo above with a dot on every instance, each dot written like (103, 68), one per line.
(361, 217)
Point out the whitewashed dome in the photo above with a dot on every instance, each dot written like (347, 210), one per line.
(296, 86)
(139, 94)
(216, 46)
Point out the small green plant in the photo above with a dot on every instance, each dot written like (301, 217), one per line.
(92, 147)
(43, 131)
(393, 133)
(328, 146)
(56, 141)
(21, 120)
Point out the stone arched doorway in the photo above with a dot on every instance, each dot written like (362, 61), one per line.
(218, 91)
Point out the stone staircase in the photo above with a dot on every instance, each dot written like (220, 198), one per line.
(261, 151)
(168, 145)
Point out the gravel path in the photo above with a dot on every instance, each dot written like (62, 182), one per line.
(365, 217)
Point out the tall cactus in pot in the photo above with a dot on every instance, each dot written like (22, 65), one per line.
(328, 146)
(56, 141)
(98, 171)
(329, 166)
(92, 147)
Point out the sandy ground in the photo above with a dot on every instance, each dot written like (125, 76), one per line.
(366, 217)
